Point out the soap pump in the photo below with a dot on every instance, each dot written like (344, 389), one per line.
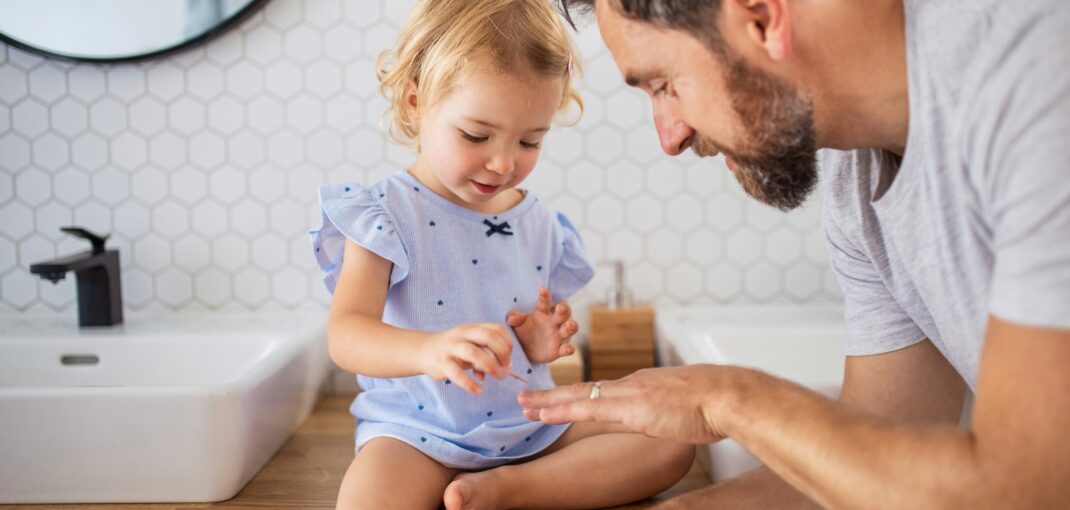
(618, 296)
(620, 339)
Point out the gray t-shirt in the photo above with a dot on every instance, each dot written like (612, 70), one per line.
(975, 219)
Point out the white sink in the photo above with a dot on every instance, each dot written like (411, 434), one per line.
(801, 343)
(165, 408)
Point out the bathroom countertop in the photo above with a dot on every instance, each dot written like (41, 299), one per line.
(306, 472)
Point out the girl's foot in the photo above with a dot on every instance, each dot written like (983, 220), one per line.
(469, 491)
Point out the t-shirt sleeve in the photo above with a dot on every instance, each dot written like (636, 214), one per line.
(349, 211)
(1023, 144)
(875, 321)
(573, 267)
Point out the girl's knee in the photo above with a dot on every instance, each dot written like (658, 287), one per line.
(680, 457)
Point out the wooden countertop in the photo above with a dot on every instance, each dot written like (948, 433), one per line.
(306, 472)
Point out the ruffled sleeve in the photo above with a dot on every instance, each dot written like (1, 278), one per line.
(574, 267)
(351, 212)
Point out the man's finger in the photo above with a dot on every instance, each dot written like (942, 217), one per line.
(600, 409)
(556, 396)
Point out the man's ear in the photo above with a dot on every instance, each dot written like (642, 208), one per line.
(765, 24)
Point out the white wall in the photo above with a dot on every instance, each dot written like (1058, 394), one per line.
(204, 167)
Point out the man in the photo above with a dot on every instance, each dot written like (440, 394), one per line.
(946, 181)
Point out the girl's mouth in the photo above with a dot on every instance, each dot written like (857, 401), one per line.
(485, 188)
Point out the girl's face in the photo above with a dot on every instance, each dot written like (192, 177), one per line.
(484, 138)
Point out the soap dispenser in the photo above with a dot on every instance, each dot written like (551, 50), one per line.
(621, 338)
(618, 296)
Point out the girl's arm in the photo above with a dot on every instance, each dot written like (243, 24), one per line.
(359, 341)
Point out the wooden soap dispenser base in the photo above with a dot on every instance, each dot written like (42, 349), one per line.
(621, 340)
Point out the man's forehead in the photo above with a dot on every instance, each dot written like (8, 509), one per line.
(628, 40)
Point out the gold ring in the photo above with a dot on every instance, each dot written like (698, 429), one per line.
(596, 390)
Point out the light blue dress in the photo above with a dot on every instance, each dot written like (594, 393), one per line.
(452, 266)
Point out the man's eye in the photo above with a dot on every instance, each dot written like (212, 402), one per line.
(473, 138)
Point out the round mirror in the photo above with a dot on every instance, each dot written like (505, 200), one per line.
(116, 30)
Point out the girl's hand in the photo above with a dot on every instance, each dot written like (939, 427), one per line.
(485, 347)
(545, 333)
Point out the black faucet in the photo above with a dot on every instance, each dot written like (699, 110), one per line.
(100, 300)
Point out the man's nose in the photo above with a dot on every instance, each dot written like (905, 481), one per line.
(675, 135)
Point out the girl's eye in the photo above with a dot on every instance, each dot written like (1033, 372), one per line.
(473, 138)
(662, 89)
(530, 145)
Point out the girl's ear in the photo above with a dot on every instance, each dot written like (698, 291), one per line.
(411, 104)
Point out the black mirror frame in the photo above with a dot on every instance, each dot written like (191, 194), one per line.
(208, 35)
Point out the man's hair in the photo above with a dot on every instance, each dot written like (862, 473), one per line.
(697, 17)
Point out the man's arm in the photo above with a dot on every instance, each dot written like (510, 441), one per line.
(914, 385)
(1014, 455)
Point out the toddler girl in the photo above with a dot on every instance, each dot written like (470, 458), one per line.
(427, 265)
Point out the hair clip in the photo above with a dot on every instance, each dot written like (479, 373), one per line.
(570, 71)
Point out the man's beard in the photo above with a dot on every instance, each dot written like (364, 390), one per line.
(777, 164)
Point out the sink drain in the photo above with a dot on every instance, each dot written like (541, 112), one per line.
(79, 359)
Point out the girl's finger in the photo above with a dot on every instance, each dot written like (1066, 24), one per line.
(562, 313)
(481, 359)
(568, 329)
(493, 337)
(543, 304)
(460, 378)
(515, 319)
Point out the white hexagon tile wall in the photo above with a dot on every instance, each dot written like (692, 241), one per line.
(203, 166)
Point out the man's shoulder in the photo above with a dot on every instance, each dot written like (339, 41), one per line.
(960, 48)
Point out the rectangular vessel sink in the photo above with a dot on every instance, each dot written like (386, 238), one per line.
(173, 407)
(801, 343)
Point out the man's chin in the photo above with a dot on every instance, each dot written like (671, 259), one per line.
(783, 199)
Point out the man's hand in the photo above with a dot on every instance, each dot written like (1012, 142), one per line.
(545, 333)
(671, 403)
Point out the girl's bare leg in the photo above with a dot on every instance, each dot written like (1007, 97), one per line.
(592, 465)
(388, 473)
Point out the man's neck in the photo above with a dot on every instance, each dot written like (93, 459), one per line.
(860, 93)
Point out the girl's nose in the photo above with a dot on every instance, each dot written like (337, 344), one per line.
(675, 135)
(502, 162)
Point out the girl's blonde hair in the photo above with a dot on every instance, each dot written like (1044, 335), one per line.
(442, 38)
